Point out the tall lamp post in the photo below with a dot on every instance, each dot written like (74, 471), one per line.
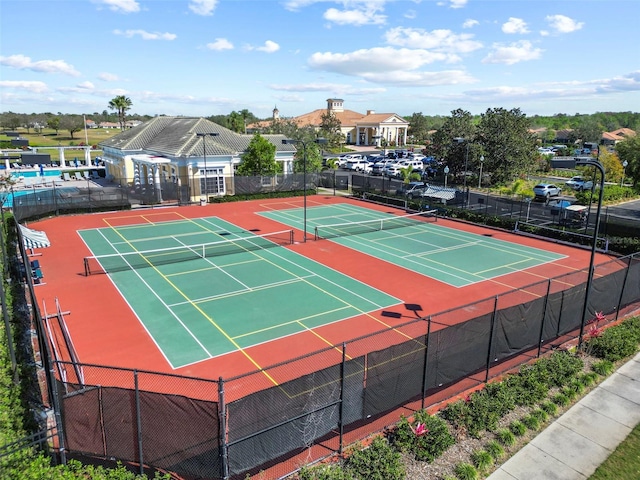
(466, 163)
(624, 172)
(598, 165)
(480, 178)
(203, 191)
(304, 176)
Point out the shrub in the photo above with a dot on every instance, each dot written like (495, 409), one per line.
(561, 399)
(603, 367)
(482, 460)
(466, 471)
(531, 422)
(494, 449)
(540, 414)
(323, 472)
(617, 342)
(425, 446)
(506, 436)
(550, 407)
(378, 462)
(569, 392)
(517, 428)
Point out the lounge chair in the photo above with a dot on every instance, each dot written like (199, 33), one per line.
(66, 176)
(86, 175)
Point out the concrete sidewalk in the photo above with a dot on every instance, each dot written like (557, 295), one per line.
(573, 446)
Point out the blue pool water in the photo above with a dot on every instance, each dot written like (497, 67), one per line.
(36, 173)
(7, 198)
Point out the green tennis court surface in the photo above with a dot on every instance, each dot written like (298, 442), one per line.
(451, 256)
(198, 300)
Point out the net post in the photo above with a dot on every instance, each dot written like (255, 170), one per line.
(86, 266)
(291, 237)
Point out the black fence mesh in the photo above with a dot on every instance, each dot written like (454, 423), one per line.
(200, 428)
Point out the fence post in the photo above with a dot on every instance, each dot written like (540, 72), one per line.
(624, 283)
(341, 413)
(425, 363)
(222, 433)
(138, 421)
(493, 321)
(544, 316)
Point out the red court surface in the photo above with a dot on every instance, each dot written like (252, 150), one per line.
(105, 331)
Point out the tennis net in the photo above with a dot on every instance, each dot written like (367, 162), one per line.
(387, 223)
(151, 258)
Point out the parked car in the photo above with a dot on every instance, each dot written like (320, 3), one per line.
(543, 191)
(378, 168)
(358, 165)
(412, 189)
(579, 183)
(417, 165)
(557, 205)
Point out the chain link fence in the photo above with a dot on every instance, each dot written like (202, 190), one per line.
(228, 428)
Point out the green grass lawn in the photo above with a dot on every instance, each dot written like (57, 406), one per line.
(624, 463)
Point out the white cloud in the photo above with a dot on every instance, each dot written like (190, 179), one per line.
(203, 7)
(29, 86)
(470, 23)
(563, 24)
(86, 85)
(336, 88)
(268, 47)
(122, 6)
(454, 3)
(22, 62)
(368, 14)
(515, 25)
(108, 77)
(513, 53)
(437, 40)
(146, 35)
(410, 14)
(374, 60)
(220, 44)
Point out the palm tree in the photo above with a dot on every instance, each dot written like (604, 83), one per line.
(121, 104)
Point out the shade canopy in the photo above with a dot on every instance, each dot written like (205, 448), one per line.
(34, 238)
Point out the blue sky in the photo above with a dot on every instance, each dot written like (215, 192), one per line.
(209, 57)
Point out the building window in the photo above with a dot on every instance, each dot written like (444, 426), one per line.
(215, 181)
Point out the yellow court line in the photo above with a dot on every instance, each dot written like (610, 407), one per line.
(128, 217)
(188, 300)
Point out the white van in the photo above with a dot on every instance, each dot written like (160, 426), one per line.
(358, 165)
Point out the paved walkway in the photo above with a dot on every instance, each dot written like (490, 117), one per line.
(573, 446)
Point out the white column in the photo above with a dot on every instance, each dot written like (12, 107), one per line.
(87, 156)
(61, 154)
(156, 182)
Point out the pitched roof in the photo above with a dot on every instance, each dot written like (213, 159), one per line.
(177, 137)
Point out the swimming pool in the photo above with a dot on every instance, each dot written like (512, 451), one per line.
(35, 173)
(7, 198)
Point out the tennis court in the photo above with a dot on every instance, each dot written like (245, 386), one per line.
(416, 242)
(204, 287)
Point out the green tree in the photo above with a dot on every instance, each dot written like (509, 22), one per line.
(330, 128)
(72, 123)
(419, 128)
(629, 151)
(612, 165)
(54, 123)
(236, 122)
(589, 130)
(506, 143)
(314, 152)
(121, 105)
(259, 158)
(445, 146)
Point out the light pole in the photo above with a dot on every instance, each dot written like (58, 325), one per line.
(203, 191)
(598, 165)
(466, 163)
(624, 172)
(446, 174)
(304, 177)
(480, 178)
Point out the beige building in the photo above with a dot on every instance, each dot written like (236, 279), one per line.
(183, 151)
(358, 128)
